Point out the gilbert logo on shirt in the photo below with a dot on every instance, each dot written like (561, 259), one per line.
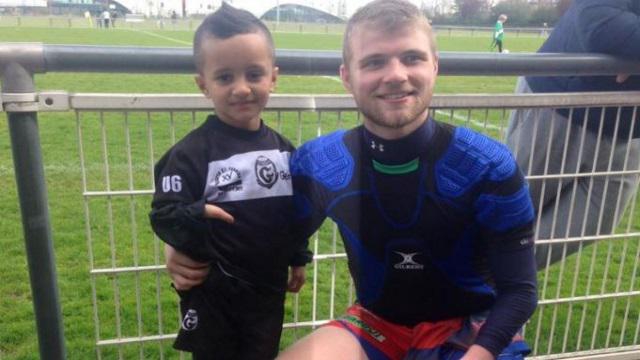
(266, 172)
(408, 263)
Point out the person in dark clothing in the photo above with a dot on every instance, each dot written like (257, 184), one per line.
(232, 164)
(581, 140)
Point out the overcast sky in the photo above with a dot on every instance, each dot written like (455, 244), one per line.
(257, 7)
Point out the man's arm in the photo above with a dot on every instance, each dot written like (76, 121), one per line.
(610, 27)
(514, 273)
(184, 271)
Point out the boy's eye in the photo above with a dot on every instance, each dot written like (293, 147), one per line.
(223, 78)
(255, 75)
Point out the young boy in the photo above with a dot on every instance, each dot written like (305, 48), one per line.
(235, 163)
(498, 32)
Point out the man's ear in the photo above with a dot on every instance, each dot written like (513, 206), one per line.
(201, 84)
(274, 78)
(436, 60)
(344, 76)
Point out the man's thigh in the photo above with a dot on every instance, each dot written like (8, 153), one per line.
(328, 342)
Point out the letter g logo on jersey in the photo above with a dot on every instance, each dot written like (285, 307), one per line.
(190, 321)
(266, 172)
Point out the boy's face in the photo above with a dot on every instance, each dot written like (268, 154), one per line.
(391, 76)
(237, 75)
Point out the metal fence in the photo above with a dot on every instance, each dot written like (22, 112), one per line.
(589, 304)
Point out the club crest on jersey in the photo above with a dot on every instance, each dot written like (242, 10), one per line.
(190, 321)
(266, 172)
(408, 263)
(228, 179)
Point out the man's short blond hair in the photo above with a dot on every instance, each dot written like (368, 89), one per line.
(388, 16)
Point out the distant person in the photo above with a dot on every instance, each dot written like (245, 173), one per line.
(87, 15)
(106, 19)
(224, 201)
(114, 17)
(174, 17)
(498, 33)
(583, 140)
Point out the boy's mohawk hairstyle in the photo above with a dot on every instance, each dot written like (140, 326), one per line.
(224, 23)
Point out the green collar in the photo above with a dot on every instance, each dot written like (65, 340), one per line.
(396, 169)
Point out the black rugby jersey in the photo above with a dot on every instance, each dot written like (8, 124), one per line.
(246, 173)
(435, 225)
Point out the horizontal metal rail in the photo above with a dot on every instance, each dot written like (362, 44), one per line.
(64, 101)
(41, 58)
(619, 353)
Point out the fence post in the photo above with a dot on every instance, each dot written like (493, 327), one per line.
(27, 157)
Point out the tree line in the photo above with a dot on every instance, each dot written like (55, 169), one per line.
(485, 13)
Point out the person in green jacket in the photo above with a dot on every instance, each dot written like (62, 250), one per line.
(498, 32)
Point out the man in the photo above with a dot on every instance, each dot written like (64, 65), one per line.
(562, 141)
(436, 220)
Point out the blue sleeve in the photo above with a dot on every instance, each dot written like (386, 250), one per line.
(609, 26)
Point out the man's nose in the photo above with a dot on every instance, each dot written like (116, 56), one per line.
(396, 71)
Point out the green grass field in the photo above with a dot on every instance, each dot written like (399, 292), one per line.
(122, 221)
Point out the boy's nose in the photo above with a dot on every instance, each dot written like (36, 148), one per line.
(241, 88)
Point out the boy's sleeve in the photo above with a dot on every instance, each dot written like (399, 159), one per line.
(177, 207)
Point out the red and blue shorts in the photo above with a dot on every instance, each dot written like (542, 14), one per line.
(442, 340)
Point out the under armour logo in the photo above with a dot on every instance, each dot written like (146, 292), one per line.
(379, 146)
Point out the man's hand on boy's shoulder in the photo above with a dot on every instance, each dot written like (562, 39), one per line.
(297, 278)
(183, 270)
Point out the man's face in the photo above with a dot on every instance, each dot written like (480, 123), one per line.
(391, 76)
(237, 75)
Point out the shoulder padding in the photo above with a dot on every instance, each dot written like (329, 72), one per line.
(470, 158)
(325, 160)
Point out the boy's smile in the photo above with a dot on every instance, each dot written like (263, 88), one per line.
(237, 75)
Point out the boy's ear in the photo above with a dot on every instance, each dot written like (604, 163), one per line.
(201, 84)
(344, 76)
(274, 78)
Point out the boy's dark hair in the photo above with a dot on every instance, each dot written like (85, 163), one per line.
(224, 23)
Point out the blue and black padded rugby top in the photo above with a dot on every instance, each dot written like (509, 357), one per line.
(436, 225)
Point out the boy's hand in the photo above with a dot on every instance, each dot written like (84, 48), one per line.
(297, 278)
(183, 270)
(215, 212)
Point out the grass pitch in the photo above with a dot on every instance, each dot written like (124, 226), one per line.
(62, 165)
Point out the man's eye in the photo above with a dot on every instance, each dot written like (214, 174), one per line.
(412, 59)
(373, 63)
